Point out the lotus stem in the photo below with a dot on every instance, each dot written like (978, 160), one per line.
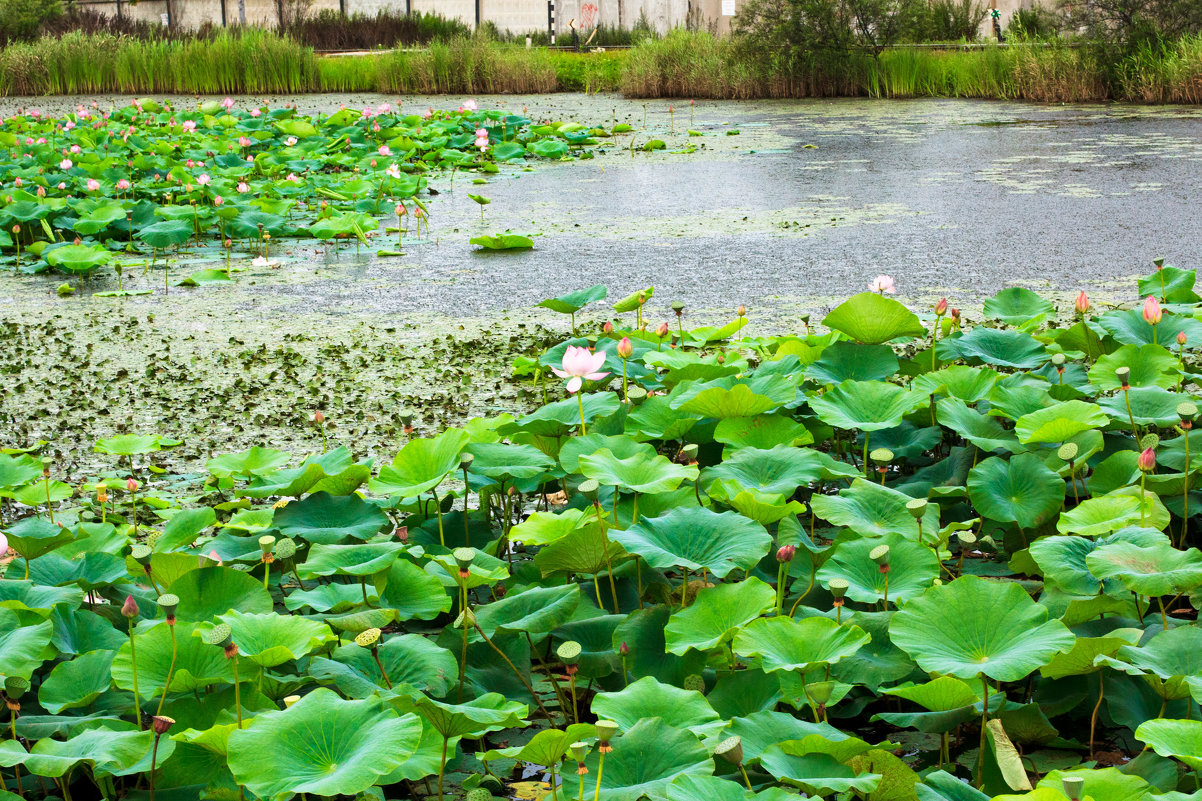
(1185, 495)
(49, 508)
(133, 660)
(746, 779)
(600, 770)
(1093, 719)
(867, 469)
(613, 588)
(1130, 416)
(572, 685)
(442, 766)
(1142, 503)
(517, 673)
(154, 757)
(463, 653)
(984, 720)
(625, 394)
(375, 654)
(237, 690)
(1154, 334)
(467, 537)
(780, 586)
(16, 768)
(170, 670)
(684, 587)
(810, 586)
(580, 401)
(1164, 616)
(554, 789)
(438, 511)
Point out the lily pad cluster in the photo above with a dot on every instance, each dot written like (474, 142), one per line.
(884, 557)
(112, 186)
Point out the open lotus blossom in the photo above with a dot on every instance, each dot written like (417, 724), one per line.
(385, 150)
(122, 185)
(481, 133)
(3, 544)
(189, 125)
(579, 364)
(468, 105)
(218, 200)
(65, 164)
(204, 180)
(293, 178)
(393, 171)
(75, 149)
(227, 103)
(1152, 312)
(384, 108)
(254, 112)
(482, 144)
(242, 187)
(244, 141)
(883, 284)
(290, 141)
(93, 184)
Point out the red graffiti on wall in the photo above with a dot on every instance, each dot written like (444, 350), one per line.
(588, 15)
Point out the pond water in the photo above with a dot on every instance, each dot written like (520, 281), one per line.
(787, 207)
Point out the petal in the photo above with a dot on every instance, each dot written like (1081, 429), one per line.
(574, 384)
(596, 376)
(560, 373)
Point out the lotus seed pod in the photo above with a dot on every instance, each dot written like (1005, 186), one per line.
(285, 548)
(1123, 374)
(1068, 451)
(880, 554)
(881, 456)
(168, 602)
(15, 686)
(589, 489)
(966, 537)
(1187, 410)
(678, 306)
(569, 652)
(465, 461)
(917, 507)
(689, 452)
(161, 723)
(1159, 262)
(265, 542)
(636, 393)
(1149, 441)
(368, 638)
(289, 700)
(478, 794)
(820, 691)
(606, 730)
(838, 587)
(731, 749)
(1058, 359)
(805, 318)
(1073, 785)
(152, 539)
(694, 682)
(406, 417)
(464, 557)
(141, 554)
(218, 635)
(579, 751)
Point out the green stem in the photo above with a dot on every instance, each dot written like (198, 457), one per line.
(1164, 616)
(442, 766)
(16, 768)
(600, 770)
(1185, 496)
(170, 671)
(1130, 416)
(154, 756)
(517, 673)
(867, 470)
(1093, 719)
(438, 510)
(133, 660)
(463, 652)
(237, 692)
(746, 779)
(580, 401)
(467, 537)
(984, 720)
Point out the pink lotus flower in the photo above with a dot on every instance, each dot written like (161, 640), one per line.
(228, 103)
(244, 141)
(292, 178)
(18, 182)
(93, 184)
(384, 150)
(882, 284)
(65, 164)
(290, 141)
(62, 184)
(218, 200)
(1181, 338)
(393, 171)
(122, 185)
(468, 105)
(384, 108)
(3, 544)
(1152, 313)
(189, 125)
(579, 364)
(69, 125)
(1082, 304)
(75, 149)
(482, 144)
(242, 187)
(254, 112)
(204, 180)
(481, 133)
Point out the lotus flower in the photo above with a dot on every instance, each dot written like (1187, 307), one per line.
(1181, 338)
(65, 164)
(290, 141)
(883, 284)
(941, 307)
(1147, 460)
(204, 180)
(1082, 304)
(385, 150)
(122, 185)
(1152, 312)
(3, 544)
(468, 105)
(93, 184)
(579, 364)
(75, 149)
(244, 141)
(218, 200)
(243, 187)
(625, 348)
(228, 103)
(189, 125)
(393, 171)
(254, 112)
(130, 607)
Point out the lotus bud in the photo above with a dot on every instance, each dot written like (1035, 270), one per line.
(141, 555)
(464, 558)
(1068, 451)
(688, 454)
(625, 348)
(368, 638)
(955, 315)
(131, 485)
(318, 417)
(731, 750)
(606, 731)
(838, 588)
(1181, 338)
(1152, 312)
(1147, 460)
(1159, 262)
(168, 603)
(741, 311)
(589, 489)
(1072, 786)
(624, 649)
(662, 330)
(678, 307)
(1124, 375)
(160, 724)
(941, 307)
(130, 608)
(608, 328)
(1082, 304)
(289, 700)
(880, 555)
(569, 654)
(785, 553)
(465, 461)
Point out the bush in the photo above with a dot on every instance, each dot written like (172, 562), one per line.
(21, 20)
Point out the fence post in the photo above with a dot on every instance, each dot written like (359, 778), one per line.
(551, 20)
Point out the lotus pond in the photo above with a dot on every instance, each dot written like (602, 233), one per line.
(887, 556)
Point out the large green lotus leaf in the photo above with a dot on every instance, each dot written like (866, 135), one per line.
(1020, 490)
(1174, 738)
(964, 382)
(586, 551)
(819, 774)
(1130, 328)
(975, 626)
(942, 786)
(77, 682)
(1171, 662)
(1150, 570)
(573, 302)
(560, 418)
(1059, 423)
(488, 712)
(16, 471)
(544, 528)
(941, 694)
(547, 748)
(873, 510)
(410, 660)
(166, 233)
(765, 431)
(425, 760)
(656, 419)
(778, 470)
(33, 536)
(848, 361)
(1120, 509)
(762, 730)
(184, 527)
(1018, 306)
(648, 698)
(536, 611)
(334, 472)
(639, 473)
(727, 398)
(78, 258)
(333, 598)
(28, 596)
(645, 760)
(878, 663)
(912, 569)
(1170, 284)
(413, 593)
(363, 559)
(22, 647)
(1150, 406)
(325, 518)
(117, 753)
(866, 405)
(197, 664)
(874, 319)
(212, 591)
(1102, 784)
(1082, 657)
(697, 538)
(643, 633)
(1018, 394)
(129, 444)
(1150, 366)
(1062, 558)
(716, 614)
(500, 462)
(421, 464)
(322, 745)
(717, 788)
(270, 639)
(984, 431)
(257, 461)
(782, 643)
(81, 631)
(994, 346)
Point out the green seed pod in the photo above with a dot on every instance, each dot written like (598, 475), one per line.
(606, 730)
(1123, 374)
(141, 554)
(966, 537)
(881, 456)
(368, 638)
(1058, 359)
(1068, 451)
(636, 393)
(1187, 410)
(569, 652)
(478, 794)
(677, 306)
(465, 461)
(1073, 785)
(15, 686)
(218, 635)
(820, 692)
(589, 489)
(731, 749)
(694, 682)
(1149, 441)
(838, 587)
(689, 452)
(265, 542)
(464, 557)
(917, 507)
(579, 751)
(880, 554)
(285, 549)
(168, 602)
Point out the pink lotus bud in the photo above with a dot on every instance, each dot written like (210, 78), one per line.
(741, 311)
(1152, 313)
(624, 649)
(130, 607)
(1082, 305)
(662, 331)
(1147, 460)
(941, 307)
(318, 417)
(402, 533)
(785, 553)
(1181, 338)
(625, 349)
(131, 485)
